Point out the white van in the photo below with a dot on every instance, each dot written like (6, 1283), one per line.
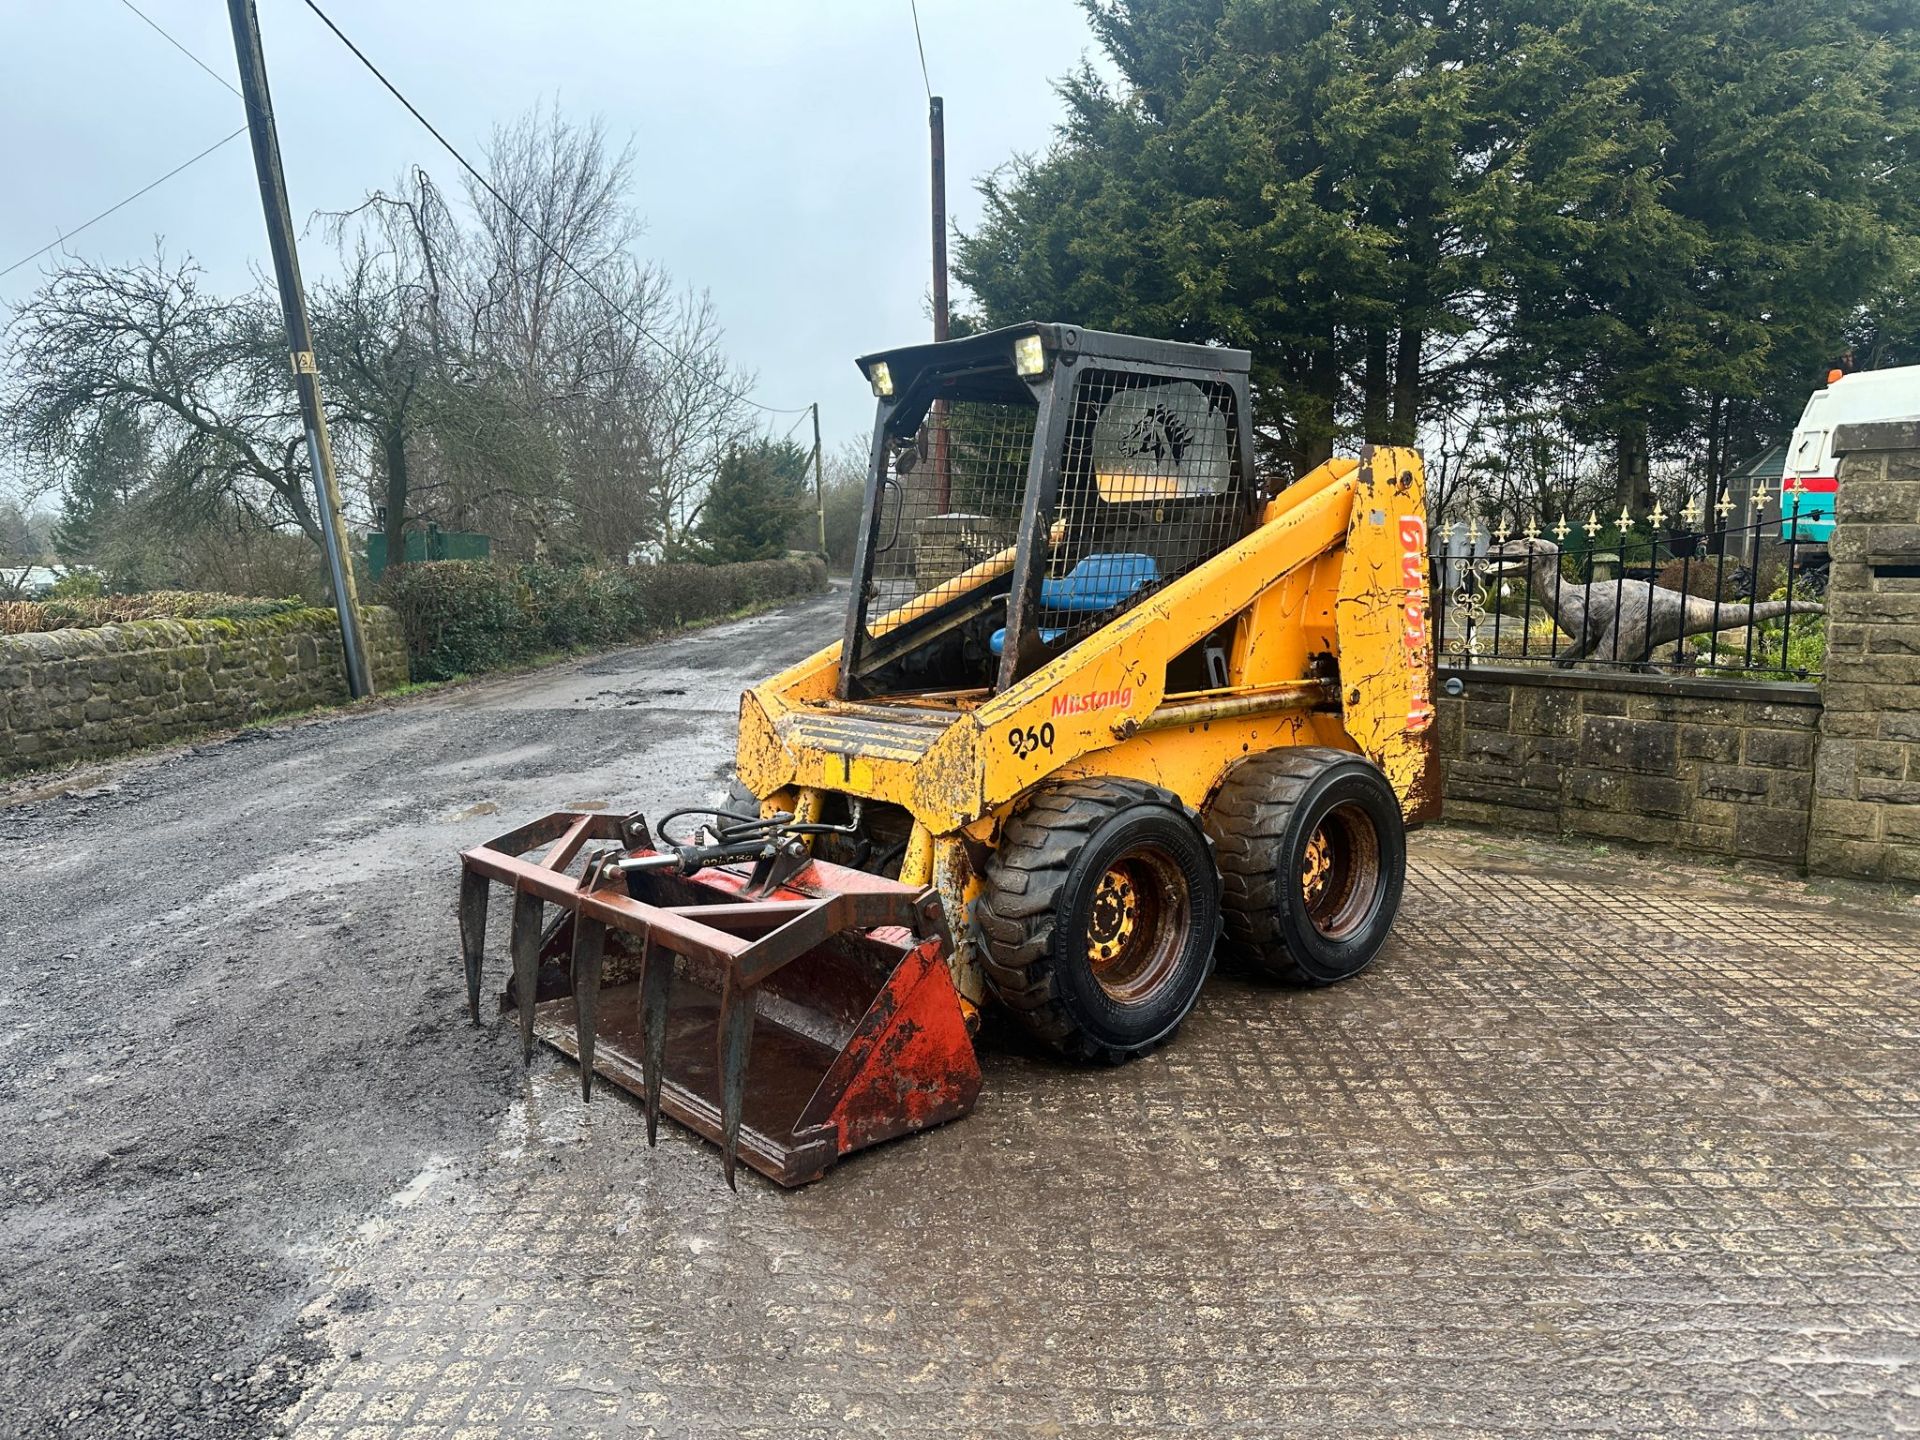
(1864, 396)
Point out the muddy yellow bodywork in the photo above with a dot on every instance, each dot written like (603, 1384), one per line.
(1327, 597)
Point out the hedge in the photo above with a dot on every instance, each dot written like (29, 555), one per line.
(462, 617)
(28, 617)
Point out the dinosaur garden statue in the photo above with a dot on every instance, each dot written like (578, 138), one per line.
(1627, 619)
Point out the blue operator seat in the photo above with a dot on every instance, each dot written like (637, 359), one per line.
(1098, 582)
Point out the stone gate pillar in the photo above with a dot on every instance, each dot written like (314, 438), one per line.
(1866, 782)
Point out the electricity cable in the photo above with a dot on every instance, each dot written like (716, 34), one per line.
(161, 32)
(920, 45)
(680, 360)
(53, 245)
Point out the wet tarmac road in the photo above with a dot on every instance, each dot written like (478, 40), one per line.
(1605, 1144)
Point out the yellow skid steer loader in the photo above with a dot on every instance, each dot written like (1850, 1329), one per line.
(1101, 707)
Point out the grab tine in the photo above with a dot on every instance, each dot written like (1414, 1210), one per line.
(526, 966)
(473, 933)
(656, 981)
(589, 950)
(736, 1038)
(860, 1037)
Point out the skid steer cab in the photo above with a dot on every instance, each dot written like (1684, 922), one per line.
(1102, 708)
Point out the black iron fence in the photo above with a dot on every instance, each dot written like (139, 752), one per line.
(1635, 593)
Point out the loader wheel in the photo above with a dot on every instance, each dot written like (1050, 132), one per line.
(741, 800)
(1313, 860)
(1099, 917)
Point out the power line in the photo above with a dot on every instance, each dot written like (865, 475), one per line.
(532, 229)
(914, 5)
(158, 30)
(68, 235)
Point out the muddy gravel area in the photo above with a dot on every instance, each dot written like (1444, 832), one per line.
(1606, 1143)
(235, 1021)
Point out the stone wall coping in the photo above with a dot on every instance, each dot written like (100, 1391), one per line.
(1877, 435)
(1766, 692)
(160, 633)
(84, 693)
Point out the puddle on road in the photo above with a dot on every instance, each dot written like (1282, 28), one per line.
(437, 1168)
(490, 762)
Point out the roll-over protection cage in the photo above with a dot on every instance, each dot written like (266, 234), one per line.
(1040, 479)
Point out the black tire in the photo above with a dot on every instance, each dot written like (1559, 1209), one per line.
(739, 799)
(1100, 915)
(1313, 862)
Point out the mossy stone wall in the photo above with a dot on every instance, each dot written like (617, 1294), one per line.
(69, 695)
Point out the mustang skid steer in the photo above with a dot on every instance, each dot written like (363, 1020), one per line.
(1100, 706)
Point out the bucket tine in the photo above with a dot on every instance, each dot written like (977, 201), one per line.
(473, 933)
(736, 1037)
(589, 950)
(656, 980)
(859, 1036)
(526, 965)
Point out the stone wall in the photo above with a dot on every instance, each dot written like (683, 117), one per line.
(1723, 767)
(70, 695)
(1866, 805)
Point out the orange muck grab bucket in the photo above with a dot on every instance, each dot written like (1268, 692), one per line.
(790, 1010)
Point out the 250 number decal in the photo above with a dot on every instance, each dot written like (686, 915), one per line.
(1025, 742)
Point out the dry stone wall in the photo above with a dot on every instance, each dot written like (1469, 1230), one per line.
(69, 695)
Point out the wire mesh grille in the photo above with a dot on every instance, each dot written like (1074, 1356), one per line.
(1149, 489)
(950, 500)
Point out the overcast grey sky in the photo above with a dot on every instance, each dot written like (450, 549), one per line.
(781, 158)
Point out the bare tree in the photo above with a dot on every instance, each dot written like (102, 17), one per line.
(187, 364)
(573, 401)
(381, 331)
(695, 416)
(529, 297)
(552, 390)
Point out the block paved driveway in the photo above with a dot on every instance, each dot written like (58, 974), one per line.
(1602, 1145)
(1606, 1143)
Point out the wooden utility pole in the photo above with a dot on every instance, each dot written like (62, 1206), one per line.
(819, 485)
(293, 308)
(937, 128)
(937, 135)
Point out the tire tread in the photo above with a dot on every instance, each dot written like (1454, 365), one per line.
(1014, 916)
(1258, 796)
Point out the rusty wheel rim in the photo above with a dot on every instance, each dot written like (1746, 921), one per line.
(1340, 872)
(1137, 924)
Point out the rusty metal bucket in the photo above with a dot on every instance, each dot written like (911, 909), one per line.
(791, 1017)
